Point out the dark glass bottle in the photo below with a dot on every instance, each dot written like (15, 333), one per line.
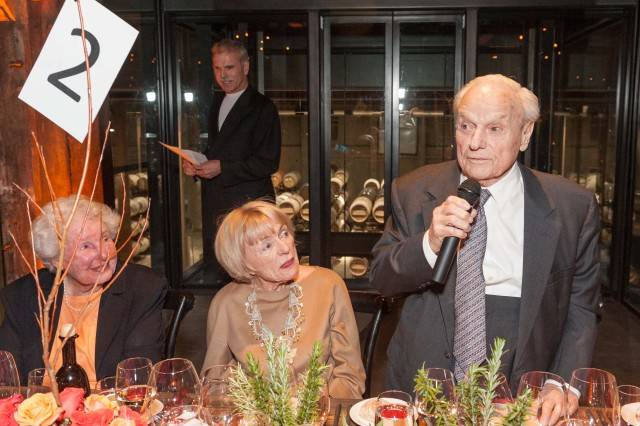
(71, 374)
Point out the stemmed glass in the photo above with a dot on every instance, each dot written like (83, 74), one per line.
(546, 388)
(394, 408)
(629, 405)
(37, 382)
(216, 402)
(176, 383)
(598, 402)
(443, 379)
(9, 379)
(106, 386)
(132, 383)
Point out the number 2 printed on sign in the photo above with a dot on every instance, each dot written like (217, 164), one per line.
(55, 77)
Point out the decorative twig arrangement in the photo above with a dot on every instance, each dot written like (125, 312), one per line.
(47, 302)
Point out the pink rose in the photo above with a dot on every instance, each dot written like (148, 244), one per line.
(101, 417)
(8, 406)
(72, 400)
(128, 413)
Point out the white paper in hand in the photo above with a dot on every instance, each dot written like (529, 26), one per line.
(57, 83)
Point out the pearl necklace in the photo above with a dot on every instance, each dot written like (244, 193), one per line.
(295, 316)
(75, 309)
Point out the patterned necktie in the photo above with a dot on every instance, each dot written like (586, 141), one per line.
(469, 340)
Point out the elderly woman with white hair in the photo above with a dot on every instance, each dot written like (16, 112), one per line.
(272, 294)
(119, 323)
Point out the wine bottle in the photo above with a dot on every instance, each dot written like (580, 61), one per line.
(71, 374)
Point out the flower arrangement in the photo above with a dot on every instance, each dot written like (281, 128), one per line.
(475, 395)
(269, 398)
(41, 409)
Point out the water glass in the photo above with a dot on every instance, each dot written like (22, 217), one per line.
(176, 383)
(38, 382)
(394, 408)
(629, 405)
(547, 389)
(598, 400)
(132, 383)
(9, 378)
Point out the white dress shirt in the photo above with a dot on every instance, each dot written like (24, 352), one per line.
(227, 103)
(504, 210)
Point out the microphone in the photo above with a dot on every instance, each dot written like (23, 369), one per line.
(469, 190)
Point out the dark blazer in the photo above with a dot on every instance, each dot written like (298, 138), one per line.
(560, 285)
(129, 320)
(248, 147)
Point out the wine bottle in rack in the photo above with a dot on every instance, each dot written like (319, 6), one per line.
(378, 208)
(291, 180)
(276, 179)
(71, 374)
(357, 266)
(360, 209)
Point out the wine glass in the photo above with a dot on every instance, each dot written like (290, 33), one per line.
(132, 383)
(176, 383)
(598, 400)
(217, 372)
(9, 379)
(185, 415)
(106, 385)
(443, 379)
(629, 405)
(216, 401)
(394, 408)
(38, 382)
(546, 389)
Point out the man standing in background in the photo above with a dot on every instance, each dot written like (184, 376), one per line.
(243, 148)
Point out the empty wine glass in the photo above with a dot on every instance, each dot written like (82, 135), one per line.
(176, 383)
(442, 379)
(629, 405)
(9, 379)
(106, 385)
(547, 390)
(394, 408)
(598, 400)
(38, 381)
(132, 383)
(217, 372)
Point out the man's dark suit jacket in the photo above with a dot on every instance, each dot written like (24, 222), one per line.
(560, 285)
(129, 320)
(248, 147)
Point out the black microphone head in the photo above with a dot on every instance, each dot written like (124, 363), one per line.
(470, 190)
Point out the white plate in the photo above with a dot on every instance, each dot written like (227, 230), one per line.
(630, 413)
(363, 413)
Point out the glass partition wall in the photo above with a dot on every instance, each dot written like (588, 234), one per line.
(388, 82)
(384, 87)
(573, 64)
(277, 47)
(132, 111)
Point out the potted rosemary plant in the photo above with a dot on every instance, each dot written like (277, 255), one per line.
(475, 396)
(271, 398)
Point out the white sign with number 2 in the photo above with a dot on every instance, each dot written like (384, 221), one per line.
(57, 84)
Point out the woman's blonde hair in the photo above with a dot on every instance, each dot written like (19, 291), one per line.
(242, 227)
(45, 238)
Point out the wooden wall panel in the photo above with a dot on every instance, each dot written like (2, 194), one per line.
(20, 44)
